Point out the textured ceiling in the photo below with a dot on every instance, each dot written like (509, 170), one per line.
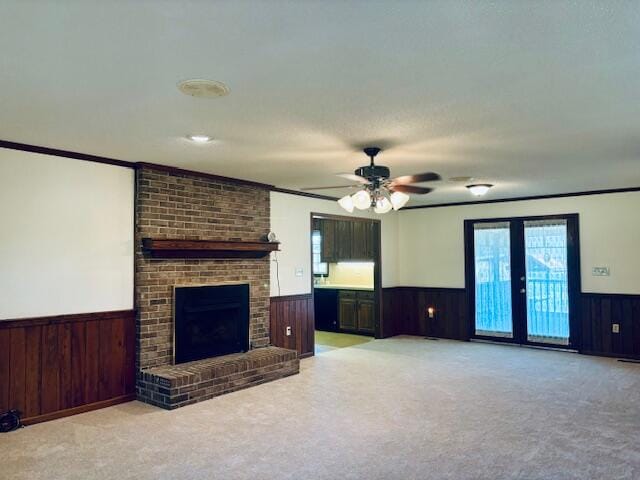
(535, 97)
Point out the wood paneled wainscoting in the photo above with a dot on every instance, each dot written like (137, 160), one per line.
(599, 313)
(295, 311)
(405, 309)
(52, 367)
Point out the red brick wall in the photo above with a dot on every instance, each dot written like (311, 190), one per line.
(189, 207)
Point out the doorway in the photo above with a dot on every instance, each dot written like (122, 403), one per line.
(346, 280)
(523, 280)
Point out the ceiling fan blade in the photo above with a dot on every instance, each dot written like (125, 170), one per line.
(329, 188)
(417, 178)
(353, 178)
(410, 189)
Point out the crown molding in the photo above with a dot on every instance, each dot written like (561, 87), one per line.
(23, 147)
(304, 194)
(532, 197)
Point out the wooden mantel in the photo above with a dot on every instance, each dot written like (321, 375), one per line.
(166, 248)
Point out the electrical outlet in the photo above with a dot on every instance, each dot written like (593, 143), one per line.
(288, 331)
(299, 271)
(431, 312)
(615, 327)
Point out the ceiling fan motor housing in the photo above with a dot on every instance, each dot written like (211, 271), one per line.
(373, 172)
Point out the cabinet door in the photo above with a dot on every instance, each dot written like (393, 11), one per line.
(343, 240)
(359, 241)
(348, 315)
(328, 232)
(370, 240)
(366, 313)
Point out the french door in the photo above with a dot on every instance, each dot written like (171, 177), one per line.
(523, 279)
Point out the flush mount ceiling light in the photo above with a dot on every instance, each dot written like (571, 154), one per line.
(199, 138)
(479, 189)
(202, 88)
(376, 190)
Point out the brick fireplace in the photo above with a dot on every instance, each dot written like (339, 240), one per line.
(177, 205)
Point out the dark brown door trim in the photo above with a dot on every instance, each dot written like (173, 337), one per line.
(518, 270)
(377, 258)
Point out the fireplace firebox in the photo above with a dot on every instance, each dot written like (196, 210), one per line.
(210, 321)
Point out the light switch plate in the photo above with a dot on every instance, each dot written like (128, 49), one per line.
(615, 327)
(299, 271)
(600, 271)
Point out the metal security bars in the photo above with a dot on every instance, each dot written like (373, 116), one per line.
(547, 281)
(493, 279)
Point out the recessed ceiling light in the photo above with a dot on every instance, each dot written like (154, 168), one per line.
(479, 189)
(202, 88)
(199, 138)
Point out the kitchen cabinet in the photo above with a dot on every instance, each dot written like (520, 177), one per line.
(356, 311)
(346, 240)
(344, 310)
(362, 241)
(343, 240)
(365, 312)
(328, 234)
(347, 313)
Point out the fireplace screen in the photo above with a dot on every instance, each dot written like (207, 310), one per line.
(210, 321)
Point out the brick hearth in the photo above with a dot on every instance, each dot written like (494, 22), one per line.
(175, 386)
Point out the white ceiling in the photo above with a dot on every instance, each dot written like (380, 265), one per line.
(535, 97)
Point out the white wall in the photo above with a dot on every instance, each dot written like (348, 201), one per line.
(66, 242)
(66, 236)
(290, 220)
(431, 241)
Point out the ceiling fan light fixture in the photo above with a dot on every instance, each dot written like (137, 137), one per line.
(377, 190)
(399, 200)
(383, 205)
(479, 189)
(361, 199)
(346, 202)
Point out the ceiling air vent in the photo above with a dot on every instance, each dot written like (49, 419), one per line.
(201, 88)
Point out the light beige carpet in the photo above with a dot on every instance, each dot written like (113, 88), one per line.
(402, 408)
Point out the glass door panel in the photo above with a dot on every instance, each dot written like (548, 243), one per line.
(492, 262)
(547, 288)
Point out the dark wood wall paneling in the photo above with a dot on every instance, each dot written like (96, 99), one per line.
(407, 309)
(57, 366)
(295, 311)
(598, 313)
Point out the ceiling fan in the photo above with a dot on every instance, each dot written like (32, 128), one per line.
(377, 190)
